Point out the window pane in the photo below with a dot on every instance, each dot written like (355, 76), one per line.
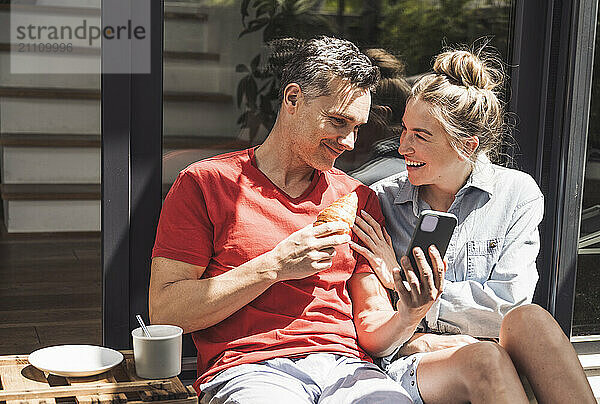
(586, 316)
(50, 271)
(217, 98)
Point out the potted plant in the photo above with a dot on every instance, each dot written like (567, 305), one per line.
(258, 89)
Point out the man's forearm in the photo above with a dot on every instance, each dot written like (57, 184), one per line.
(196, 304)
(177, 296)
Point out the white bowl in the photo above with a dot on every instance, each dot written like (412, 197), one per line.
(75, 360)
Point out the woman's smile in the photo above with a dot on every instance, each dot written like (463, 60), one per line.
(412, 163)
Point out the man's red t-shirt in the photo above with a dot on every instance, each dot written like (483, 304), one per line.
(222, 212)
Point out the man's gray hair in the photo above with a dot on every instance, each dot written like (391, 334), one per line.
(320, 60)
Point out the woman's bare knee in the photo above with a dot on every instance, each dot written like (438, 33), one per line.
(472, 373)
(529, 322)
(528, 333)
(483, 356)
(487, 368)
(527, 317)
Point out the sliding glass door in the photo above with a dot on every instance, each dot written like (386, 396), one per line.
(50, 131)
(211, 90)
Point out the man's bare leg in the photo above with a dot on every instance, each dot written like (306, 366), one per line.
(476, 373)
(541, 351)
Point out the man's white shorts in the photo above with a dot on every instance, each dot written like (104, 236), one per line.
(323, 378)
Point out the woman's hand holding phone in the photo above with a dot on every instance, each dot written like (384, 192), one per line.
(422, 286)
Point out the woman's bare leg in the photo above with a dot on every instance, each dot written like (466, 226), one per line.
(476, 373)
(541, 351)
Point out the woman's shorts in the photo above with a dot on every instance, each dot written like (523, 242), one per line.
(403, 369)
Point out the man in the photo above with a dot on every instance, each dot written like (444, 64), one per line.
(282, 310)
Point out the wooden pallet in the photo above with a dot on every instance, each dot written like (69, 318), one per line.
(22, 383)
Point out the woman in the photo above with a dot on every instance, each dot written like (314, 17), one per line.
(452, 125)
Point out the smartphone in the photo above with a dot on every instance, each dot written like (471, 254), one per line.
(435, 228)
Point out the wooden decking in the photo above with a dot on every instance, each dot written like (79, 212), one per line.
(50, 291)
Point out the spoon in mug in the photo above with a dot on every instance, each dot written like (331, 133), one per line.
(144, 328)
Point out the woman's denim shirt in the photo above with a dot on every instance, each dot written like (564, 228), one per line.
(493, 250)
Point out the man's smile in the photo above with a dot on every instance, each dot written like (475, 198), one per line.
(333, 150)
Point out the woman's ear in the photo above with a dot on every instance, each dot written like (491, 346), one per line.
(291, 95)
(471, 144)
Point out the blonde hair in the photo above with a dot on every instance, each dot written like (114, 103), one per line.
(463, 93)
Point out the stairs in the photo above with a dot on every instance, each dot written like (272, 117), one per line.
(591, 365)
(587, 348)
(50, 124)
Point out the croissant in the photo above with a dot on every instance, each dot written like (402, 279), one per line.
(342, 209)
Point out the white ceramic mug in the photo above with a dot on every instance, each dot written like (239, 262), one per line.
(158, 356)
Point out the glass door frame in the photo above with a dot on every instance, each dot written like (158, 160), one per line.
(131, 182)
(551, 83)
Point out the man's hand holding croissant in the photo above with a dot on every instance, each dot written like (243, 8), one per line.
(311, 250)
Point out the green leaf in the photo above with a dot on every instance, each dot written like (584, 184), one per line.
(254, 63)
(251, 92)
(263, 87)
(264, 8)
(244, 10)
(258, 23)
(242, 90)
(265, 105)
(274, 90)
(243, 119)
(255, 25)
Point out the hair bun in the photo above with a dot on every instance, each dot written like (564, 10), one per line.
(467, 69)
(389, 66)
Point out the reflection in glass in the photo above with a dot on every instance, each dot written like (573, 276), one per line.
(220, 78)
(221, 81)
(586, 316)
(50, 270)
